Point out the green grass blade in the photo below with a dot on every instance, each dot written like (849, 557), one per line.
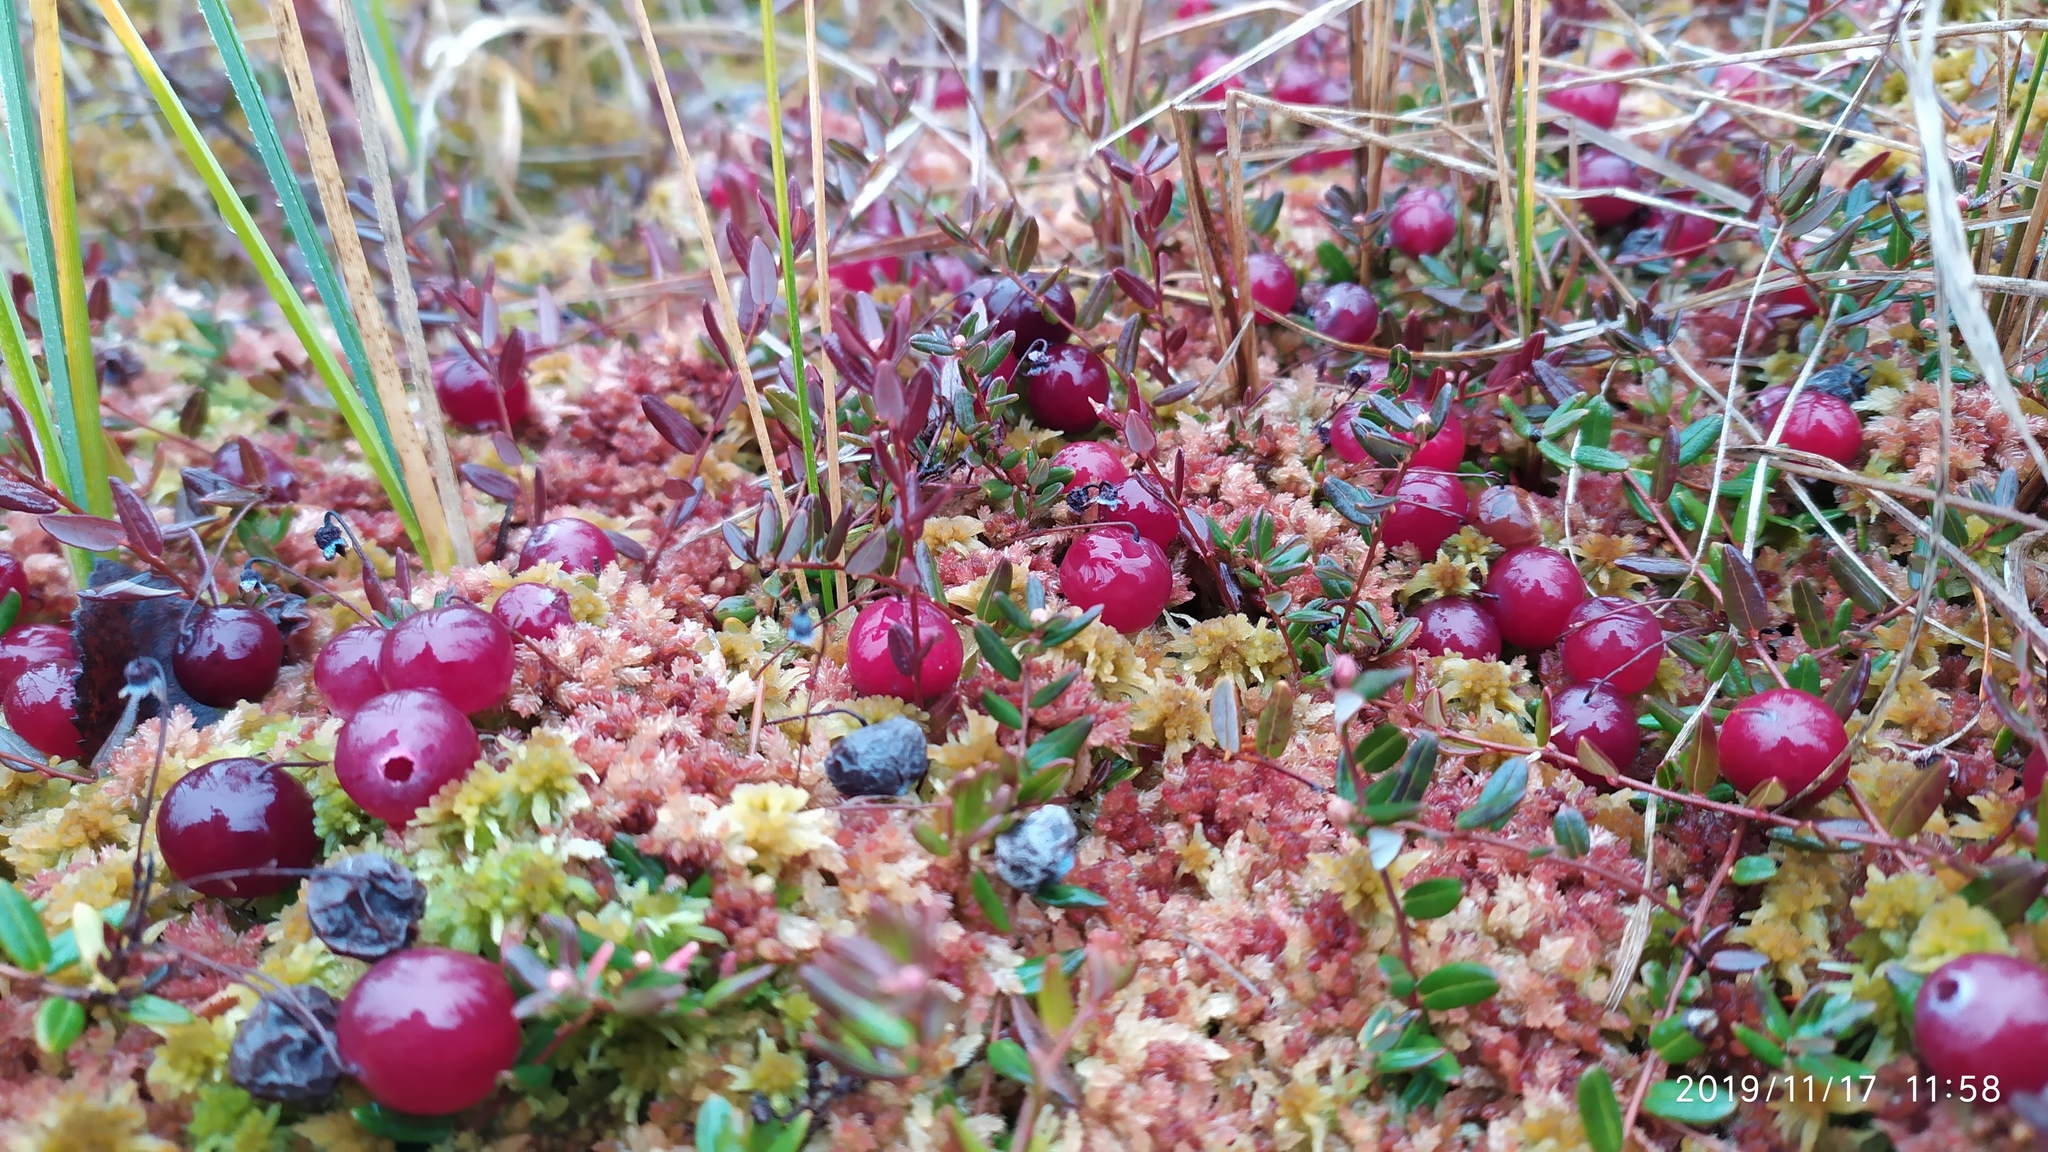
(69, 285)
(270, 146)
(25, 158)
(21, 370)
(267, 266)
(376, 26)
(780, 166)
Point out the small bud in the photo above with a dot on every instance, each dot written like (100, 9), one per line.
(1341, 811)
(1343, 670)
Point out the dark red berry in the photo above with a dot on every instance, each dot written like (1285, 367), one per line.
(13, 577)
(1786, 735)
(1064, 389)
(1600, 716)
(1299, 82)
(1092, 462)
(469, 393)
(42, 708)
(1533, 591)
(1273, 284)
(871, 665)
(1455, 626)
(428, 1030)
(1444, 448)
(349, 671)
(365, 906)
(863, 275)
(1209, 65)
(1599, 168)
(400, 749)
(1596, 104)
(1346, 313)
(577, 545)
(1508, 516)
(1344, 438)
(730, 186)
(1686, 234)
(229, 465)
(29, 645)
(458, 650)
(535, 611)
(1140, 503)
(1820, 423)
(227, 654)
(1429, 508)
(949, 91)
(1189, 9)
(1129, 577)
(1985, 1016)
(1421, 223)
(1012, 309)
(1309, 163)
(236, 816)
(1613, 641)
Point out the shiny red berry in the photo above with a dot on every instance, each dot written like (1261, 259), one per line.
(349, 671)
(1421, 223)
(459, 651)
(1429, 508)
(1273, 284)
(29, 645)
(428, 1030)
(469, 394)
(872, 666)
(1455, 626)
(1092, 462)
(1012, 309)
(1533, 591)
(1129, 577)
(400, 749)
(577, 545)
(1613, 641)
(1508, 516)
(1346, 313)
(1985, 1016)
(1444, 448)
(1786, 735)
(1596, 104)
(1209, 65)
(236, 816)
(535, 611)
(1820, 423)
(1299, 82)
(1064, 389)
(1600, 716)
(13, 577)
(1686, 234)
(1599, 168)
(228, 653)
(1344, 438)
(1140, 503)
(42, 708)
(863, 275)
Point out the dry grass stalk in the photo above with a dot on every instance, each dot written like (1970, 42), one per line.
(829, 375)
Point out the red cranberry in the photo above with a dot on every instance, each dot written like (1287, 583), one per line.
(1686, 234)
(1822, 424)
(1601, 717)
(1273, 286)
(871, 666)
(1299, 82)
(1210, 64)
(1092, 462)
(227, 654)
(1986, 1016)
(1596, 104)
(469, 394)
(1141, 503)
(1443, 450)
(1738, 80)
(428, 1030)
(349, 671)
(400, 749)
(1344, 439)
(950, 272)
(1189, 9)
(949, 92)
(730, 186)
(1064, 389)
(1508, 517)
(1129, 577)
(577, 545)
(29, 645)
(1786, 735)
(458, 650)
(535, 611)
(1012, 309)
(1613, 641)
(229, 465)
(42, 708)
(1429, 509)
(1534, 591)
(1346, 313)
(2031, 776)
(236, 816)
(1455, 626)
(1310, 163)
(863, 275)
(1421, 223)
(13, 577)
(1599, 168)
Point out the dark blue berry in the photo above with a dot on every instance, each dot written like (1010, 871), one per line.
(1037, 850)
(885, 759)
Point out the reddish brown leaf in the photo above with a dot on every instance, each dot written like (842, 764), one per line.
(92, 533)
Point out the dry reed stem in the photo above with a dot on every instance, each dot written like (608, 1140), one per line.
(1222, 304)
(827, 373)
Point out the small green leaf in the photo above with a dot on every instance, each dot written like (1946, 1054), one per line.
(1003, 710)
(996, 653)
(1068, 896)
(1433, 899)
(1060, 631)
(717, 1128)
(1681, 1103)
(1051, 692)
(155, 1012)
(59, 1023)
(1407, 1059)
(991, 904)
(1765, 1049)
(1337, 267)
(1062, 743)
(21, 931)
(1600, 459)
(1009, 1059)
(1400, 981)
(1753, 870)
(1499, 799)
(1573, 837)
(1456, 986)
(10, 609)
(1374, 683)
(1599, 1111)
(1698, 439)
(792, 1135)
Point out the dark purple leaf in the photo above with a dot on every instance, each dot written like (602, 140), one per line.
(16, 496)
(143, 534)
(627, 546)
(92, 533)
(669, 423)
(491, 482)
(506, 447)
(869, 555)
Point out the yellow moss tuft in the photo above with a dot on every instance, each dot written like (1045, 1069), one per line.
(766, 825)
(1954, 927)
(1174, 714)
(1484, 689)
(975, 744)
(1231, 646)
(197, 1053)
(1109, 660)
(101, 1117)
